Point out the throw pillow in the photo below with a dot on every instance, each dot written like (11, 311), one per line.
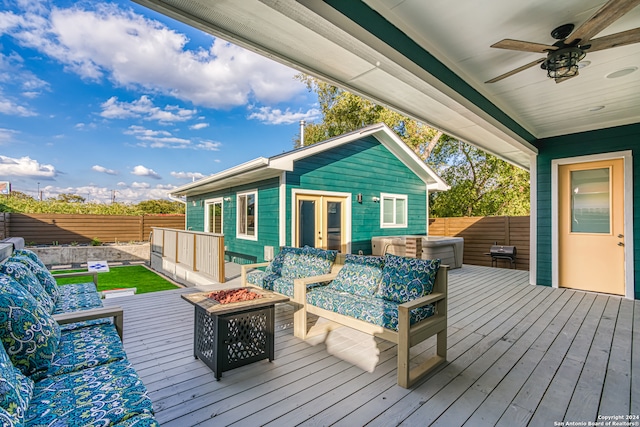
(360, 275)
(29, 254)
(21, 274)
(45, 278)
(405, 279)
(15, 392)
(29, 334)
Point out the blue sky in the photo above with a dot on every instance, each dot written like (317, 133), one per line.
(104, 96)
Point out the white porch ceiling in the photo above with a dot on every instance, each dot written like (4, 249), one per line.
(311, 36)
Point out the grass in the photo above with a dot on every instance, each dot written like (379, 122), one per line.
(132, 276)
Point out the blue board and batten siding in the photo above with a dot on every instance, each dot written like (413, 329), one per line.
(364, 166)
(596, 142)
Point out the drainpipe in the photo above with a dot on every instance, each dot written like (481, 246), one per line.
(302, 123)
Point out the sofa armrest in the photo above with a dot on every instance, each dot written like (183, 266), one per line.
(244, 269)
(421, 302)
(95, 313)
(94, 275)
(300, 286)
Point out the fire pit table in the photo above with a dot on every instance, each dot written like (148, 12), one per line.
(233, 334)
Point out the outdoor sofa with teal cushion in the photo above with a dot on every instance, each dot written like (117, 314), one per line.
(289, 264)
(55, 377)
(402, 300)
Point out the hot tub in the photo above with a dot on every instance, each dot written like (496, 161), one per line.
(448, 249)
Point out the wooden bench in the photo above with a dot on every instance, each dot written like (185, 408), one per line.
(405, 337)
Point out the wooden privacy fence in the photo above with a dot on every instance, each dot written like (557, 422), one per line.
(480, 233)
(44, 229)
(179, 252)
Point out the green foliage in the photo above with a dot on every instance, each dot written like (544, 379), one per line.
(481, 184)
(96, 242)
(72, 204)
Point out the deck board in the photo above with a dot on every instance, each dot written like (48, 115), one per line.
(517, 355)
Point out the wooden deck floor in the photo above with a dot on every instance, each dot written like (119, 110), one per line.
(518, 355)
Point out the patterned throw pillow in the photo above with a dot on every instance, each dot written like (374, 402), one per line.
(307, 262)
(15, 392)
(29, 254)
(21, 274)
(275, 266)
(360, 275)
(405, 279)
(29, 334)
(46, 279)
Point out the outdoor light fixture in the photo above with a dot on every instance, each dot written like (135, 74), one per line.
(563, 63)
(359, 197)
(227, 199)
(376, 199)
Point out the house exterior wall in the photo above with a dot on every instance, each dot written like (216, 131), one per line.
(363, 166)
(238, 249)
(596, 142)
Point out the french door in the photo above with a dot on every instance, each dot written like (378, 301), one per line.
(320, 222)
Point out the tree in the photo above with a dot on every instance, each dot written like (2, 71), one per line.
(160, 206)
(481, 184)
(69, 198)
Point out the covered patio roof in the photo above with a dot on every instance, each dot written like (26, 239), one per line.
(430, 60)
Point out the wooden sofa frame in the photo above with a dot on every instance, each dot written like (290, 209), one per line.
(405, 337)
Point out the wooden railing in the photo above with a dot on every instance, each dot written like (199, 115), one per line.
(199, 252)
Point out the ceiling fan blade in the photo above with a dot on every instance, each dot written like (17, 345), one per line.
(517, 70)
(614, 40)
(523, 46)
(605, 16)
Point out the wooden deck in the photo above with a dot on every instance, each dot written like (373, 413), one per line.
(518, 355)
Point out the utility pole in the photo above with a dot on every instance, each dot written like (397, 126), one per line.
(113, 196)
(39, 193)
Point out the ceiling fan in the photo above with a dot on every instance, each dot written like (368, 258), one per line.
(563, 56)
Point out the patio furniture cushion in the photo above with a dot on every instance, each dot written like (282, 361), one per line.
(99, 396)
(376, 311)
(86, 348)
(275, 266)
(46, 279)
(29, 254)
(143, 420)
(23, 275)
(308, 262)
(28, 332)
(75, 302)
(15, 392)
(262, 279)
(76, 288)
(284, 286)
(360, 275)
(405, 279)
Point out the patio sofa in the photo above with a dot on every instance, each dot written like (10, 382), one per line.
(289, 264)
(74, 377)
(402, 300)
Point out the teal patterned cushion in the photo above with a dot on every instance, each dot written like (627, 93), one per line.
(405, 279)
(86, 348)
(360, 275)
(75, 302)
(76, 288)
(15, 392)
(262, 279)
(46, 279)
(144, 420)
(376, 311)
(21, 274)
(275, 266)
(29, 254)
(28, 332)
(99, 396)
(284, 286)
(308, 262)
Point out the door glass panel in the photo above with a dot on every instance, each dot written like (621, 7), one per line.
(590, 201)
(215, 218)
(306, 223)
(334, 225)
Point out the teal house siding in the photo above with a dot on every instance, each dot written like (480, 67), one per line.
(362, 167)
(596, 142)
(194, 214)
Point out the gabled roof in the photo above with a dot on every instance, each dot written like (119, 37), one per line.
(264, 168)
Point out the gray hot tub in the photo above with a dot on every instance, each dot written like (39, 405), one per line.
(448, 249)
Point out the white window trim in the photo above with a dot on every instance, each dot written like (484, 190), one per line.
(255, 218)
(395, 197)
(206, 213)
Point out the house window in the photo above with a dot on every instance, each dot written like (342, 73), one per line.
(213, 216)
(248, 215)
(393, 210)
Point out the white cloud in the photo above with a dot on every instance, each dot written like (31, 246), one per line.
(9, 107)
(26, 167)
(165, 139)
(187, 175)
(144, 108)
(144, 171)
(208, 145)
(102, 169)
(275, 116)
(125, 194)
(140, 185)
(133, 51)
(199, 126)
(6, 135)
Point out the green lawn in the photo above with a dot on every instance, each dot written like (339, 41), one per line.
(131, 276)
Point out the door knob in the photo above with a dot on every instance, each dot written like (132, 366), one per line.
(620, 244)
(620, 236)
